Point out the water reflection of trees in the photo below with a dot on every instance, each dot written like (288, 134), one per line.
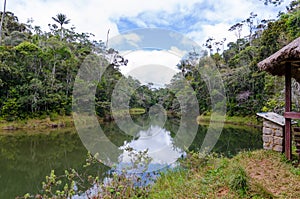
(232, 140)
(26, 159)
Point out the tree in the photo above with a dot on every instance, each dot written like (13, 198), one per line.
(238, 28)
(61, 19)
(219, 45)
(250, 23)
(274, 2)
(208, 44)
(294, 6)
(2, 19)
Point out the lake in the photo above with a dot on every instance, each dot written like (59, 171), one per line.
(26, 157)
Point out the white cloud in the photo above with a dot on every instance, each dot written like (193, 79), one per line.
(230, 10)
(97, 16)
(216, 31)
(148, 66)
(131, 39)
(197, 19)
(178, 52)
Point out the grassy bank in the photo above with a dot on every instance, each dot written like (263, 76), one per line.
(58, 121)
(236, 120)
(259, 174)
(53, 121)
(38, 123)
(137, 111)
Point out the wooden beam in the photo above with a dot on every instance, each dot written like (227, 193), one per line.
(288, 105)
(292, 115)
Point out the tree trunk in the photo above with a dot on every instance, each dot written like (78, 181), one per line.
(53, 75)
(61, 33)
(1, 23)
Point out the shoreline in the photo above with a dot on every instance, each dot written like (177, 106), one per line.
(250, 121)
(37, 124)
(68, 121)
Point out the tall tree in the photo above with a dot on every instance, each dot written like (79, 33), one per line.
(61, 19)
(238, 27)
(250, 23)
(274, 2)
(2, 19)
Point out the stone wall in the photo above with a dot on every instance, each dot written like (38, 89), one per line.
(273, 136)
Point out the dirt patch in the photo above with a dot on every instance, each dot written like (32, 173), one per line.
(274, 177)
(223, 191)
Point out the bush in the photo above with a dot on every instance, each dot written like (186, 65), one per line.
(10, 109)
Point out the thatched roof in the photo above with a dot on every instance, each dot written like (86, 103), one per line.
(275, 64)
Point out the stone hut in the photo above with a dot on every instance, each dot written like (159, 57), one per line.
(273, 131)
(286, 62)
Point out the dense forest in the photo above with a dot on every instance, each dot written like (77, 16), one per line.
(38, 68)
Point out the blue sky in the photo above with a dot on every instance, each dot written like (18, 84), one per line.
(195, 20)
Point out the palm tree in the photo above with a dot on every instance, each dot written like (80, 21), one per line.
(2, 19)
(61, 19)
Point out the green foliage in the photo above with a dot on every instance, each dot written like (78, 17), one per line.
(41, 67)
(196, 160)
(37, 74)
(10, 109)
(292, 19)
(274, 105)
(26, 48)
(296, 171)
(53, 116)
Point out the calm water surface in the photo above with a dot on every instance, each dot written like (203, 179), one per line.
(27, 157)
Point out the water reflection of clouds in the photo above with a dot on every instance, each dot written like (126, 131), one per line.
(160, 147)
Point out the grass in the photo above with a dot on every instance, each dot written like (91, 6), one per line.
(236, 120)
(137, 111)
(258, 174)
(47, 122)
(55, 121)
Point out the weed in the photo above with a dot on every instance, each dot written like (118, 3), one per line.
(238, 179)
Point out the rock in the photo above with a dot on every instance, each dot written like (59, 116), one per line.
(278, 148)
(10, 128)
(267, 138)
(267, 131)
(267, 124)
(267, 146)
(278, 141)
(279, 133)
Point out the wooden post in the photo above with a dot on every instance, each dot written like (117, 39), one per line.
(288, 87)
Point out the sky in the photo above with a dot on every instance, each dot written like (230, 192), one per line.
(194, 19)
